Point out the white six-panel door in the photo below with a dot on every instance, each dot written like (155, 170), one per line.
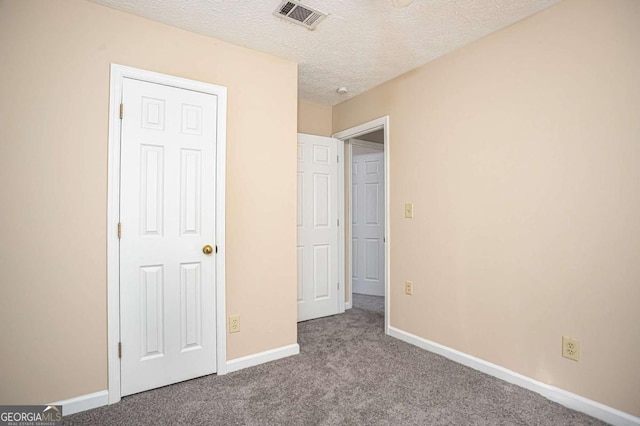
(317, 227)
(367, 226)
(167, 282)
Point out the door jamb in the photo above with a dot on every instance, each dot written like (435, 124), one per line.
(118, 73)
(341, 228)
(344, 136)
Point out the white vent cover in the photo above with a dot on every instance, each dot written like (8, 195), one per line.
(299, 14)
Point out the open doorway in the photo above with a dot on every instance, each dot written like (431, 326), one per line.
(365, 236)
(367, 221)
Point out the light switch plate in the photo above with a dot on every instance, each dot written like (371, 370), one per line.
(408, 210)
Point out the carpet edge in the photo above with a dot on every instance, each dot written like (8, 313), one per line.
(568, 399)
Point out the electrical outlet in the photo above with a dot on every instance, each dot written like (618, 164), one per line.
(408, 210)
(408, 288)
(234, 323)
(570, 348)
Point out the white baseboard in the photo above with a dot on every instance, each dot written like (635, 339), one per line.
(99, 399)
(568, 399)
(347, 305)
(83, 402)
(262, 357)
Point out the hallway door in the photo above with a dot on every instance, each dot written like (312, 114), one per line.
(367, 223)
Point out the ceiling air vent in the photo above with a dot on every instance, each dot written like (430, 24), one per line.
(299, 14)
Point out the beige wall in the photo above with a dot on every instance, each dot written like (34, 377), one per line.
(521, 153)
(314, 119)
(54, 81)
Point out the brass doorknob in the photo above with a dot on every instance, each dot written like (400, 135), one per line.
(207, 249)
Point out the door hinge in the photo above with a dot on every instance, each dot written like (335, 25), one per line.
(121, 111)
(338, 285)
(338, 222)
(119, 230)
(337, 158)
(119, 349)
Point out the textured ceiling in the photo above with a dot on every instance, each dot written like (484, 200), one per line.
(361, 44)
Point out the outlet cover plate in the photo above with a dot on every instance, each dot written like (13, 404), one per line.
(408, 288)
(234, 323)
(570, 348)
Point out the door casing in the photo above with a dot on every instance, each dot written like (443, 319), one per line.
(345, 135)
(118, 72)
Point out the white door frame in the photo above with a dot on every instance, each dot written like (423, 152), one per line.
(118, 73)
(345, 135)
(341, 226)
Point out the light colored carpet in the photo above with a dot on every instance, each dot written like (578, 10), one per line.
(368, 303)
(348, 373)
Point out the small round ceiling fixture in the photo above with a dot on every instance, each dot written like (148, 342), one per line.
(342, 90)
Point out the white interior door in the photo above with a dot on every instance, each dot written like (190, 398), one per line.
(167, 212)
(367, 223)
(317, 227)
